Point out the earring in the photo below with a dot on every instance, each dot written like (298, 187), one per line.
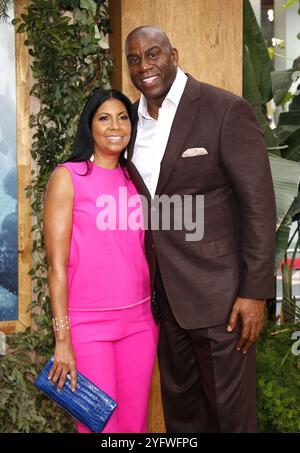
(92, 158)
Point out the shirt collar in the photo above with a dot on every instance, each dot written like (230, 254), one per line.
(173, 96)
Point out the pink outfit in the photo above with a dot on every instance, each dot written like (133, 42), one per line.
(107, 269)
(116, 350)
(113, 332)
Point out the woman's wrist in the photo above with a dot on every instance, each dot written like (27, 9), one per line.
(61, 328)
(60, 324)
(63, 337)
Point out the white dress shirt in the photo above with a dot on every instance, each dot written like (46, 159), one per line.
(152, 135)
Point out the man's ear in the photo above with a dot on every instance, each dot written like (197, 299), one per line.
(175, 56)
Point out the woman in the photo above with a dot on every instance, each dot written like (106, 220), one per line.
(98, 275)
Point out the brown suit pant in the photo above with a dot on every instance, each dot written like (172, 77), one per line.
(207, 385)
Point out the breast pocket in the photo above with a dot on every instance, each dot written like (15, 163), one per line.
(194, 172)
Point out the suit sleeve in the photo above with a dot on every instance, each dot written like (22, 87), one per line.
(245, 161)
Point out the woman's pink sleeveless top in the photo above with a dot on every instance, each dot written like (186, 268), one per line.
(107, 267)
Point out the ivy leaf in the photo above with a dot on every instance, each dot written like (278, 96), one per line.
(89, 5)
(88, 59)
(21, 28)
(15, 21)
(103, 44)
(97, 33)
(80, 16)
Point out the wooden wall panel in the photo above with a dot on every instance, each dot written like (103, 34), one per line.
(208, 35)
(24, 177)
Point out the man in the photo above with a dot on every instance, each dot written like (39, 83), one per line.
(191, 138)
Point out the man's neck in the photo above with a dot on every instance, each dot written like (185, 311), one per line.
(153, 107)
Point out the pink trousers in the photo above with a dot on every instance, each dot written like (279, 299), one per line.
(116, 350)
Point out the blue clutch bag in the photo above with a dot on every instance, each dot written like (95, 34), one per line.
(88, 404)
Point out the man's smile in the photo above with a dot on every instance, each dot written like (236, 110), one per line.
(149, 81)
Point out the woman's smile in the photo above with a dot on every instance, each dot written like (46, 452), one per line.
(114, 138)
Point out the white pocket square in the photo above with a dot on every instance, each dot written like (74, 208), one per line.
(192, 152)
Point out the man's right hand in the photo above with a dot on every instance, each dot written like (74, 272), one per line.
(64, 363)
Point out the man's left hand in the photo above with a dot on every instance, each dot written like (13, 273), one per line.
(252, 313)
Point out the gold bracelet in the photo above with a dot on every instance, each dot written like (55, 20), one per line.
(61, 324)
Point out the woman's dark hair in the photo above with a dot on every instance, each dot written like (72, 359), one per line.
(83, 146)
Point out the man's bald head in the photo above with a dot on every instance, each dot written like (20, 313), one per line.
(151, 31)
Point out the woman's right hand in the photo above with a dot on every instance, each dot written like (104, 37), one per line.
(64, 363)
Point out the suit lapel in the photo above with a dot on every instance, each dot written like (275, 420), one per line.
(181, 126)
(133, 132)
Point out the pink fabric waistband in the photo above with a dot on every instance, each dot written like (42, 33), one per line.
(109, 309)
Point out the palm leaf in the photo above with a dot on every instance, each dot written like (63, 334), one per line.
(293, 150)
(252, 94)
(286, 179)
(282, 239)
(281, 82)
(288, 124)
(258, 52)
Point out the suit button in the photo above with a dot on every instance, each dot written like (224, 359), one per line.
(152, 245)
